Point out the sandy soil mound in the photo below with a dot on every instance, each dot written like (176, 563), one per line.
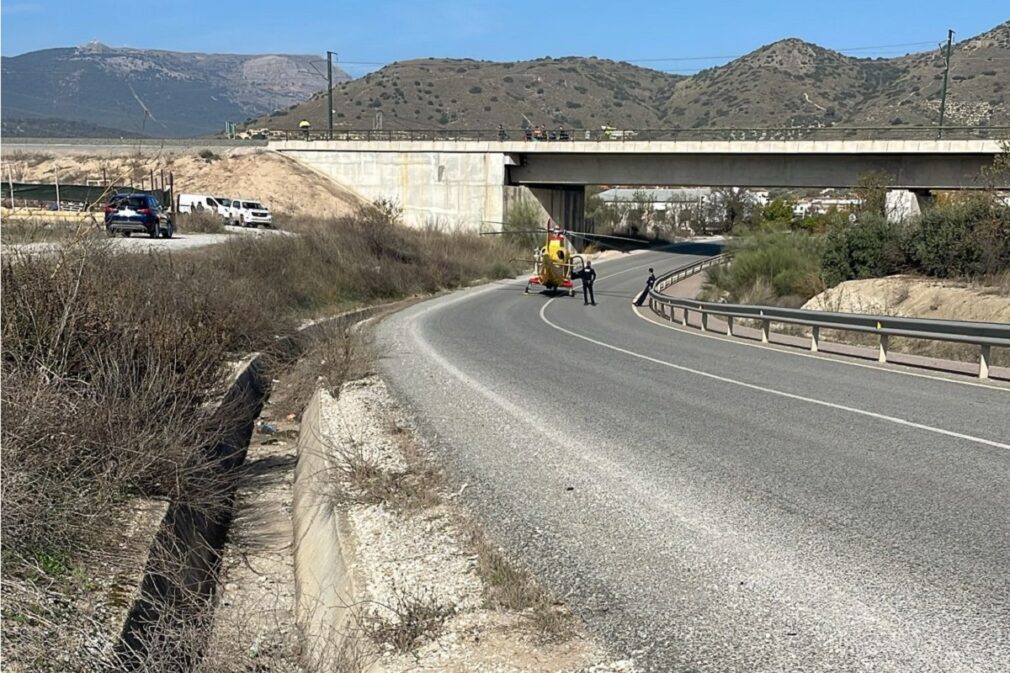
(286, 187)
(917, 297)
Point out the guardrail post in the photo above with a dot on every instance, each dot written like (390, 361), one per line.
(729, 325)
(704, 319)
(766, 329)
(685, 316)
(985, 351)
(882, 353)
(815, 337)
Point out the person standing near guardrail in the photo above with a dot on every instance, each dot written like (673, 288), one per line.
(304, 126)
(649, 282)
(588, 276)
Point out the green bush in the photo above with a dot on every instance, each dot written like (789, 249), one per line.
(966, 238)
(870, 248)
(782, 267)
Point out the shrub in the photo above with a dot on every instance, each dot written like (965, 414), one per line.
(963, 238)
(208, 156)
(786, 262)
(870, 248)
(524, 215)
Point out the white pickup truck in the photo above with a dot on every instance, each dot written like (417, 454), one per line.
(252, 213)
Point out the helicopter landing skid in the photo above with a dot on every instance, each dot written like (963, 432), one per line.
(566, 286)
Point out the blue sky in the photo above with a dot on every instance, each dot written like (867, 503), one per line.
(368, 33)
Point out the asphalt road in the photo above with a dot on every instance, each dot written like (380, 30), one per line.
(707, 505)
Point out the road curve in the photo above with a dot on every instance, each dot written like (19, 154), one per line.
(706, 505)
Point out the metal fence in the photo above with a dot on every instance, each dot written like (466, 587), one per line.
(630, 135)
(985, 335)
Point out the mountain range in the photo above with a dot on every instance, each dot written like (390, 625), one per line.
(149, 92)
(97, 89)
(787, 83)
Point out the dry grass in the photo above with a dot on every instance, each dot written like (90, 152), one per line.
(415, 488)
(335, 357)
(200, 222)
(510, 587)
(109, 361)
(405, 624)
(18, 231)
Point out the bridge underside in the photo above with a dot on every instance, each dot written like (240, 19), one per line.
(464, 184)
(909, 171)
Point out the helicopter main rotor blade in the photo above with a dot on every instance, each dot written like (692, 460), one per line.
(506, 233)
(618, 238)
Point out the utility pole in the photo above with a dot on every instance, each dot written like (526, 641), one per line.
(946, 74)
(329, 93)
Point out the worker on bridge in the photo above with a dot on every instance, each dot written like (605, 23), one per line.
(304, 126)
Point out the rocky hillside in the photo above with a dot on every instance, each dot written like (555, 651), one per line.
(157, 93)
(790, 82)
(439, 93)
(978, 92)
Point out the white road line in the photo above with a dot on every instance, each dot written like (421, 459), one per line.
(773, 391)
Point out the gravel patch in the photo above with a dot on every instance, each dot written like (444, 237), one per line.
(360, 423)
(415, 555)
(406, 557)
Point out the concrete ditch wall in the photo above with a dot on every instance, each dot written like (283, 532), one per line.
(173, 604)
(324, 585)
(172, 608)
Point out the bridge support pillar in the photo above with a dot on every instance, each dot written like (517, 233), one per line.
(567, 207)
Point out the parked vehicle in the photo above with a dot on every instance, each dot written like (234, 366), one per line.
(194, 203)
(253, 213)
(128, 213)
(233, 216)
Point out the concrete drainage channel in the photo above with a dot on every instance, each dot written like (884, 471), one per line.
(169, 620)
(345, 552)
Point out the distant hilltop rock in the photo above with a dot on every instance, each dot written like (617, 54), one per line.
(185, 94)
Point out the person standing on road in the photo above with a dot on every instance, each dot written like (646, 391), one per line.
(649, 282)
(304, 125)
(588, 276)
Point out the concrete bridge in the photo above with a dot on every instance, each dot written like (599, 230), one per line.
(471, 183)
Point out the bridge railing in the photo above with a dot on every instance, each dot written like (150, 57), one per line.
(985, 335)
(626, 135)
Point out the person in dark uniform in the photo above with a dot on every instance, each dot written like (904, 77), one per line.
(649, 282)
(588, 276)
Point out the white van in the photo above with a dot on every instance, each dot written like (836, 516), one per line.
(252, 213)
(194, 203)
(228, 205)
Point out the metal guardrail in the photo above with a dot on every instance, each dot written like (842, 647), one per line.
(985, 335)
(623, 135)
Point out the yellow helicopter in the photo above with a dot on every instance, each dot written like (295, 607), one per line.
(556, 261)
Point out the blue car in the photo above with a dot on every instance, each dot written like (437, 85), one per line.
(137, 213)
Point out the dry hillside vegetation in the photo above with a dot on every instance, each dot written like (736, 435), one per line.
(106, 377)
(286, 187)
(787, 83)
